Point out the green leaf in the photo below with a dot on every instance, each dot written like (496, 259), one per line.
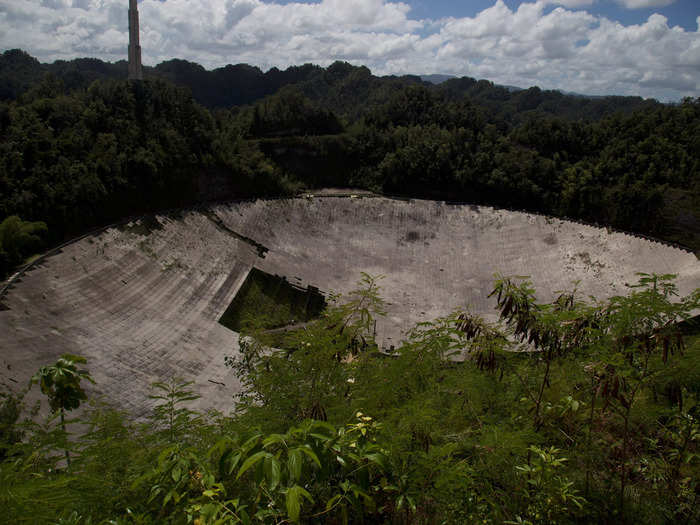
(379, 459)
(358, 492)
(273, 438)
(320, 437)
(333, 501)
(294, 464)
(293, 504)
(294, 500)
(250, 443)
(411, 503)
(176, 473)
(272, 470)
(306, 449)
(251, 461)
(229, 461)
(154, 493)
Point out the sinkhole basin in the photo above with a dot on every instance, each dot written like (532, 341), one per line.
(142, 301)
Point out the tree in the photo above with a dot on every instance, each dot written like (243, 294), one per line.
(18, 239)
(61, 384)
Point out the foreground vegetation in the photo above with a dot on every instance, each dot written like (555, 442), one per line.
(569, 412)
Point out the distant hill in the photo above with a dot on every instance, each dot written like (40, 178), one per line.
(515, 103)
(18, 71)
(347, 90)
(232, 85)
(436, 79)
(582, 95)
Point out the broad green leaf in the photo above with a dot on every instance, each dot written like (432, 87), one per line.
(273, 438)
(272, 470)
(306, 449)
(358, 492)
(294, 500)
(294, 464)
(335, 499)
(251, 461)
(154, 493)
(320, 437)
(231, 460)
(377, 458)
(411, 503)
(250, 443)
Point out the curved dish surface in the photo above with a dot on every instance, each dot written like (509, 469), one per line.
(142, 302)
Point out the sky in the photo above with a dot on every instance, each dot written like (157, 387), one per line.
(649, 48)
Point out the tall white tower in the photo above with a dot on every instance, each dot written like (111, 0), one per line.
(135, 72)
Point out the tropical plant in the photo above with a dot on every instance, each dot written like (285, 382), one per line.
(60, 383)
(549, 495)
(170, 414)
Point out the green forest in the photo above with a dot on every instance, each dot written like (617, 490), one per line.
(81, 147)
(576, 411)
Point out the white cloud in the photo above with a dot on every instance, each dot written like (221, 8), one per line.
(554, 48)
(573, 3)
(641, 4)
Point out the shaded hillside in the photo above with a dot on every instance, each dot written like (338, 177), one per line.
(345, 89)
(79, 160)
(78, 149)
(515, 104)
(232, 85)
(18, 72)
(222, 87)
(225, 87)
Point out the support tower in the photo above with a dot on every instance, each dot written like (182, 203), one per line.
(135, 72)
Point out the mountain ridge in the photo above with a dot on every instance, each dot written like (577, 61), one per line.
(340, 87)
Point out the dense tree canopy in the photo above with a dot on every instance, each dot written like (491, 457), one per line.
(79, 149)
(19, 239)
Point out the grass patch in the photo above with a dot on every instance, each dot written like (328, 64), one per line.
(268, 301)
